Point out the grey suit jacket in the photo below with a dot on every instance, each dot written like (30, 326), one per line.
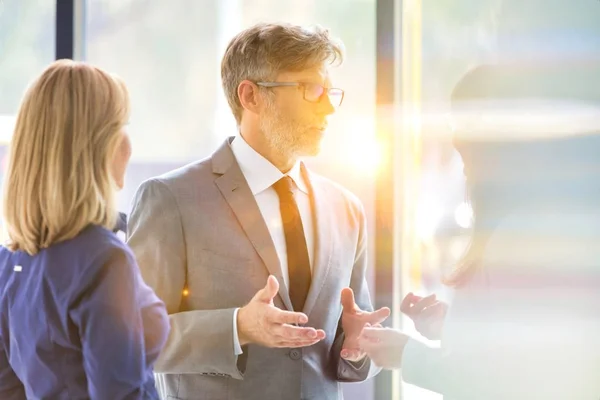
(203, 246)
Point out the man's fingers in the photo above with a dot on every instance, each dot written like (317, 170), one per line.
(301, 342)
(368, 338)
(320, 334)
(289, 332)
(369, 346)
(368, 325)
(435, 310)
(297, 343)
(407, 303)
(352, 355)
(378, 316)
(348, 300)
(387, 352)
(379, 334)
(268, 293)
(277, 316)
(367, 343)
(423, 303)
(363, 339)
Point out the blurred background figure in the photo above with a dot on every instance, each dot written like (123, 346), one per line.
(524, 321)
(77, 319)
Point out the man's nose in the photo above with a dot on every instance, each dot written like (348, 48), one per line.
(326, 106)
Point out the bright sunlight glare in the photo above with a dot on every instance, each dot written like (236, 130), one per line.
(359, 151)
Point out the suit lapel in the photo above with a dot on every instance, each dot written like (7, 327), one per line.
(322, 222)
(237, 194)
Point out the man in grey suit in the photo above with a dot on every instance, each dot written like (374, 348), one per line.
(257, 258)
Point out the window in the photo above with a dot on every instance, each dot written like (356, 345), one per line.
(26, 48)
(454, 37)
(451, 38)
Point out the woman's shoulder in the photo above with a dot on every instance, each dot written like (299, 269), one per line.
(89, 251)
(98, 237)
(92, 242)
(99, 242)
(100, 251)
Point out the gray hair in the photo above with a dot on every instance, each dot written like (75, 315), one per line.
(261, 52)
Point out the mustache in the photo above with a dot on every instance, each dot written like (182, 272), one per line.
(275, 117)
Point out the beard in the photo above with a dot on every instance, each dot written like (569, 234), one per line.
(290, 137)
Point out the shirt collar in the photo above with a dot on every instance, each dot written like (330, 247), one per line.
(259, 172)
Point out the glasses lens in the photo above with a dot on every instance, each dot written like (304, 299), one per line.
(313, 92)
(336, 96)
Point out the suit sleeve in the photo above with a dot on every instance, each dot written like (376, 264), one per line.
(200, 341)
(348, 371)
(11, 387)
(423, 366)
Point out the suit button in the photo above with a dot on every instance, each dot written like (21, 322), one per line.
(295, 354)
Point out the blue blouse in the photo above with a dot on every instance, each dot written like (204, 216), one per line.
(77, 321)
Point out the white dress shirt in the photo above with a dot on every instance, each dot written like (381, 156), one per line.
(261, 175)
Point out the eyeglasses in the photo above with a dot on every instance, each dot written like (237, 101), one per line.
(313, 92)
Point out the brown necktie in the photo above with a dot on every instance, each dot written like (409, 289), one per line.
(295, 241)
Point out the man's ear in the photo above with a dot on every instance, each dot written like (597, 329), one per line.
(249, 96)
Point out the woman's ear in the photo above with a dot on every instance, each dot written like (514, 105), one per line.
(121, 160)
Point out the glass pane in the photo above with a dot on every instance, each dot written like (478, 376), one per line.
(27, 31)
(169, 54)
(455, 37)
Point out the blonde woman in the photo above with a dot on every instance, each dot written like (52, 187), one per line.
(77, 320)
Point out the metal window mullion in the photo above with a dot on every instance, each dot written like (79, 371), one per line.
(64, 29)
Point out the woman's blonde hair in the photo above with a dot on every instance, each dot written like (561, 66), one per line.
(59, 178)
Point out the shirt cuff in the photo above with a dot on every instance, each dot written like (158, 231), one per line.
(357, 365)
(237, 348)
(420, 365)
